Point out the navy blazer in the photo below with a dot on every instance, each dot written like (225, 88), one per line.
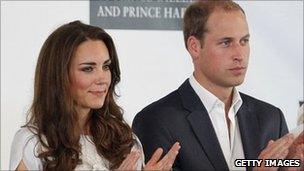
(181, 116)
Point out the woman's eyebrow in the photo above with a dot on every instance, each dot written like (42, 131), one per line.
(88, 63)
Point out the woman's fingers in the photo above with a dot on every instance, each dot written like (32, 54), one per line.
(155, 157)
(166, 162)
(133, 163)
(130, 161)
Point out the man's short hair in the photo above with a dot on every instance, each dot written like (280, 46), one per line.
(197, 14)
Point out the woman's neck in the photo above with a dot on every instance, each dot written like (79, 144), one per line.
(83, 116)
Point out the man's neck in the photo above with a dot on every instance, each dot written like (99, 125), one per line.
(225, 94)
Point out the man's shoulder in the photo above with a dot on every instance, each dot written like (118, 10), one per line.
(270, 118)
(171, 100)
(166, 108)
(259, 107)
(252, 101)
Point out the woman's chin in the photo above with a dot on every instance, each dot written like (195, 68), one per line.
(97, 105)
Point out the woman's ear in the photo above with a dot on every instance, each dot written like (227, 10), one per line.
(194, 47)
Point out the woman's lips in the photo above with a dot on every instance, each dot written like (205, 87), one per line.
(98, 93)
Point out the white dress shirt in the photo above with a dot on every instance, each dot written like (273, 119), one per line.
(231, 146)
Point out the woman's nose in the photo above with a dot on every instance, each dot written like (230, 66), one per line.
(101, 75)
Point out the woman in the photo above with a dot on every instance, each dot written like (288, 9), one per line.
(74, 122)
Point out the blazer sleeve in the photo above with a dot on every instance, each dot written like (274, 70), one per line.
(153, 134)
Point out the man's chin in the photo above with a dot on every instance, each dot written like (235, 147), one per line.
(235, 83)
(238, 83)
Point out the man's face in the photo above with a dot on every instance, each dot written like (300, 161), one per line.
(223, 58)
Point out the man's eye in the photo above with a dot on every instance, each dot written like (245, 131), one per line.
(225, 43)
(245, 41)
(87, 69)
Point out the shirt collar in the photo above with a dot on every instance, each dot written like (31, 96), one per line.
(236, 100)
(210, 100)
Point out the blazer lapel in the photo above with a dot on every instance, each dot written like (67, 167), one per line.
(249, 129)
(202, 126)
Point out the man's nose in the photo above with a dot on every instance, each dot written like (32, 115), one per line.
(238, 52)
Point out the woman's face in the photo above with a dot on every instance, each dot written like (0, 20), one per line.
(90, 74)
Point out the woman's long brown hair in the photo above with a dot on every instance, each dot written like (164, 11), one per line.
(53, 111)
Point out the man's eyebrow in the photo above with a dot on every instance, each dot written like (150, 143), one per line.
(231, 38)
(226, 39)
(246, 36)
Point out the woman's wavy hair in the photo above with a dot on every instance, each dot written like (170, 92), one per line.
(53, 113)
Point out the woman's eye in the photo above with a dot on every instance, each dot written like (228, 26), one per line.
(87, 69)
(106, 67)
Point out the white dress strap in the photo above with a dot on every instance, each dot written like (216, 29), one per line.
(138, 146)
(24, 148)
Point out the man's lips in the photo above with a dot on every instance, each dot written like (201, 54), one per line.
(237, 70)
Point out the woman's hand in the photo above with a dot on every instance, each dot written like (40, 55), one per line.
(130, 162)
(166, 162)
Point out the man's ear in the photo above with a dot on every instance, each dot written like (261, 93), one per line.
(194, 47)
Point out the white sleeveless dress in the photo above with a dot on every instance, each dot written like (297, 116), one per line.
(25, 148)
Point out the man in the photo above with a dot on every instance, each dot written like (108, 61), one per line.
(214, 123)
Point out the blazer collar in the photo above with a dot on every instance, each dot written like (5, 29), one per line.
(202, 127)
(249, 129)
